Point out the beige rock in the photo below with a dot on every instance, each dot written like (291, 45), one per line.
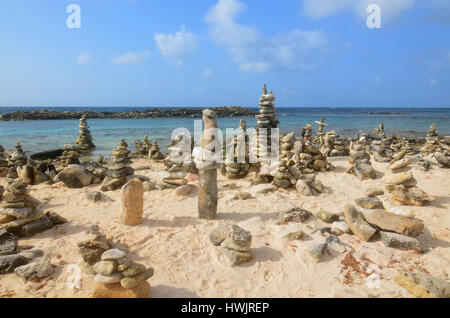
(132, 203)
(423, 286)
(357, 224)
(395, 223)
(117, 291)
(400, 164)
(397, 178)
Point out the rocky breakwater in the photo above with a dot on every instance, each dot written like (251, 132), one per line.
(235, 243)
(232, 111)
(118, 168)
(84, 141)
(20, 213)
(116, 274)
(403, 186)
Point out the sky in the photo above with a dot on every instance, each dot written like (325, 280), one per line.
(202, 53)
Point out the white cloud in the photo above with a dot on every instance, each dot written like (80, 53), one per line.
(207, 73)
(254, 52)
(324, 8)
(176, 46)
(136, 58)
(84, 58)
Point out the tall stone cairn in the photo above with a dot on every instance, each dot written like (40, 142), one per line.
(266, 118)
(84, 141)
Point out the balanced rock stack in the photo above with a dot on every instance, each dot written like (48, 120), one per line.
(145, 147)
(361, 165)
(173, 179)
(116, 275)
(320, 132)
(177, 149)
(138, 146)
(155, 153)
(380, 131)
(84, 141)
(381, 150)
(266, 120)
(3, 162)
(234, 168)
(334, 145)
(18, 157)
(235, 242)
(307, 133)
(70, 156)
(442, 157)
(36, 173)
(19, 212)
(118, 169)
(403, 186)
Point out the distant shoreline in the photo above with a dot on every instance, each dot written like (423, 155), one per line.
(232, 111)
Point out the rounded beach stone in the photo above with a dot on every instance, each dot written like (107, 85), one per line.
(108, 291)
(113, 254)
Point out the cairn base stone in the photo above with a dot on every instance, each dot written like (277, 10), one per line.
(132, 203)
(208, 194)
(108, 291)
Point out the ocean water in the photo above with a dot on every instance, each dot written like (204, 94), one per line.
(44, 135)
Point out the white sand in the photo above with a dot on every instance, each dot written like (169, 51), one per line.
(176, 243)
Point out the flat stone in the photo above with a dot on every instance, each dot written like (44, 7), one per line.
(242, 196)
(264, 188)
(113, 254)
(30, 254)
(373, 192)
(369, 203)
(55, 218)
(395, 223)
(116, 291)
(295, 236)
(185, 190)
(397, 178)
(411, 196)
(110, 279)
(9, 262)
(131, 282)
(357, 223)
(18, 212)
(133, 270)
(176, 182)
(296, 215)
(34, 271)
(36, 227)
(327, 217)
(105, 268)
(237, 258)
(400, 164)
(423, 286)
(399, 241)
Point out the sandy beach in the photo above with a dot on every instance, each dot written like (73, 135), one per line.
(175, 242)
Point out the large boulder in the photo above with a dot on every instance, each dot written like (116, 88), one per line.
(75, 176)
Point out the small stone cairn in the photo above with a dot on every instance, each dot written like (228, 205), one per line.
(116, 275)
(307, 133)
(155, 153)
(334, 145)
(145, 147)
(3, 162)
(84, 141)
(70, 156)
(360, 160)
(234, 169)
(118, 169)
(320, 132)
(235, 243)
(176, 148)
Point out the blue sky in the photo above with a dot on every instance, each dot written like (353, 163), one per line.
(311, 53)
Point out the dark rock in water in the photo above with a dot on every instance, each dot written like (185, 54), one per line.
(8, 243)
(49, 154)
(10, 262)
(35, 227)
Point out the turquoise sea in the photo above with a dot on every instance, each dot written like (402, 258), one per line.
(44, 135)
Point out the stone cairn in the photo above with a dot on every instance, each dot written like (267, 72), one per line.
(3, 162)
(235, 243)
(206, 161)
(145, 147)
(118, 169)
(444, 157)
(307, 133)
(36, 172)
(360, 160)
(297, 158)
(265, 120)
(320, 132)
(155, 153)
(70, 156)
(403, 186)
(380, 131)
(138, 146)
(116, 275)
(20, 214)
(432, 143)
(84, 141)
(176, 148)
(334, 145)
(234, 169)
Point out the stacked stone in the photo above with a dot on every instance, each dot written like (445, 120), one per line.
(155, 153)
(380, 131)
(84, 141)
(36, 172)
(444, 157)
(118, 169)
(432, 141)
(19, 212)
(235, 242)
(238, 170)
(116, 275)
(334, 145)
(307, 133)
(70, 156)
(266, 119)
(403, 186)
(18, 157)
(3, 162)
(320, 133)
(138, 146)
(145, 148)
(361, 164)
(362, 143)
(176, 148)
(381, 150)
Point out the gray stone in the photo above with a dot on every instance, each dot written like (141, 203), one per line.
(113, 254)
(237, 258)
(35, 227)
(134, 270)
(105, 268)
(9, 262)
(131, 282)
(296, 215)
(373, 192)
(399, 241)
(91, 255)
(317, 251)
(369, 203)
(8, 243)
(423, 286)
(220, 234)
(34, 271)
(358, 224)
